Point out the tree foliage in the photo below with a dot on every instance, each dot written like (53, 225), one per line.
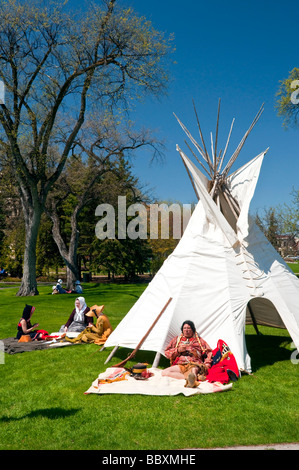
(120, 256)
(288, 214)
(270, 224)
(288, 99)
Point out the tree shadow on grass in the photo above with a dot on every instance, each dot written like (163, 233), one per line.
(266, 350)
(50, 413)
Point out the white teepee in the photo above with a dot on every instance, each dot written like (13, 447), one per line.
(223, 272)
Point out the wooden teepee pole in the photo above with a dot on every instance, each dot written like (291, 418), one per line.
(216, 138)
(226, 146)
(145, 336)
(200, 150)
(239, 148)
(207, 157)
(197, 159)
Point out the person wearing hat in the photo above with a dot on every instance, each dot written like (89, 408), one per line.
(78, 288)
(24, 325)
(98, 333)
(59, 288)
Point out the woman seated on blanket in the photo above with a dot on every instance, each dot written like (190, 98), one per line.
(24, 325)
(96, 333)
(190, 356)
(78, 319)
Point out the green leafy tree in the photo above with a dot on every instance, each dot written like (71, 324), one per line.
(121, 256)
(270, 224)
(163, 246)
(288, 215)
(12, 233)
(288, 99)
(12, 251)
(272, 230)
(2, 222)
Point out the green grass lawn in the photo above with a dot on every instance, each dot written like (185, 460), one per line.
(43, 405)
(294, 267)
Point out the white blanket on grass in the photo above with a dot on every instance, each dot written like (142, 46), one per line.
(155, 385)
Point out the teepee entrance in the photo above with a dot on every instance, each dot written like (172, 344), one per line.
(261, 311)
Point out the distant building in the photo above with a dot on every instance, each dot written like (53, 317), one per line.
(287, 245)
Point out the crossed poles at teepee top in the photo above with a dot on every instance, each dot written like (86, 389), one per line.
(213, 166)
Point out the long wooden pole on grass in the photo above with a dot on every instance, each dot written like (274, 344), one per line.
(144, 337)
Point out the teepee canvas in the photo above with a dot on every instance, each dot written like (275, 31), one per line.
(223, 272)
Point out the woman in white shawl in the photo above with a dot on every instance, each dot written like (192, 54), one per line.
(78, 320)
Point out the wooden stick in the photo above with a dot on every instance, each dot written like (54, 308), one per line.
(212, 192)
(233, 200)
(213, 152)
(253, 319)
(111, 354)
(226, 197)
(239, 148)
(197, 159)
(216, 136)
(218, 160)
(237, 151)
(226, 146)
(202, 139)
(145, 336)
(202, 153)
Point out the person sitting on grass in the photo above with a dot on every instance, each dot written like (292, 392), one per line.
(25, 327)
(58, 289)
(78, 320)
(190, 356)
(98, 333)
(78, 289)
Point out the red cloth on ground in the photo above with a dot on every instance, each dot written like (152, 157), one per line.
(226, 361)
(43, 334)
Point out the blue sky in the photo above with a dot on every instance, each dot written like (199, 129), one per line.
(237, 51)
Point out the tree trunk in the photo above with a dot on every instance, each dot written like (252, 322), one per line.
(69, 254)
(70, 259)
(72, 274)
(32, 217)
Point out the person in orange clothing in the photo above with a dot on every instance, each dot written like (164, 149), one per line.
(98, 333)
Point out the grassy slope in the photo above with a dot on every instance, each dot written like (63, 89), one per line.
(43, 405)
